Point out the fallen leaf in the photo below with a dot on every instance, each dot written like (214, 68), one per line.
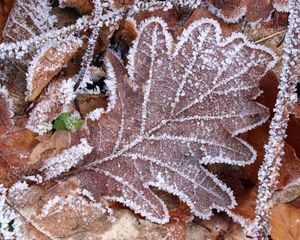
(35, 22)
(47, 63)
(6, 113)
(58, 98)
(297, 110)
(254, 10)
(84, 6)
(154, 98)
(57, 141)
(5, 7)
(285, 222)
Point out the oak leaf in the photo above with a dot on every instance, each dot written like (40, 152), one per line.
(182, 106)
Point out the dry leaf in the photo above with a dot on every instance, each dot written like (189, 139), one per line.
(47, 63)
(23, 23)
(297, 110)
(285, 222)
(254, 10)
(5, 7)
(150, 133)
(59, 140)
(84, 6)
(6, 113)
(58, 98)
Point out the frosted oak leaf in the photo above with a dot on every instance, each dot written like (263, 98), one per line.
(182, 106)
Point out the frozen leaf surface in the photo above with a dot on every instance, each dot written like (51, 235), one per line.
(28, 19)
(47, 63)
(253, 11)
(58, 98)
(182, 106)
(6, 112)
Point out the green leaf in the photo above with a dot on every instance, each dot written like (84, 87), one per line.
(10, 226)
(67, 122)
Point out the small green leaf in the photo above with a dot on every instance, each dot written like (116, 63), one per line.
(67, 122)
(10, 226)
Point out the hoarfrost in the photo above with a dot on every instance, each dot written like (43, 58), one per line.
(269, 171)
(150, 134)
(64, 161)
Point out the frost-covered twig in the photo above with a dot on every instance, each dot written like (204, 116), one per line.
(269, 171)
(83, 76)
(19, 49)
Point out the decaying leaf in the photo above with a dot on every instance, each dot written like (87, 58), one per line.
(28, 19)
(254, 10)
(58, 140)
(6, 112)
(5, 7)
(47, 63)
(285, 222)
(160, 125)
(84, 6)
(58, 98)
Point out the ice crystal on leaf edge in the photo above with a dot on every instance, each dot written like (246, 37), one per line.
(112, 87)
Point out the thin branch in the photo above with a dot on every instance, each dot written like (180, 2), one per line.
(269, 171)
(270, 36)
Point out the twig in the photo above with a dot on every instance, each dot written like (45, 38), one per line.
(270, 36)
(269, 171)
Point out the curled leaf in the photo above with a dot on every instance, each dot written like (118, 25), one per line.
(47, 63)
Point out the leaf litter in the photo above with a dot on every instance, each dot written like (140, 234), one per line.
(174, 109)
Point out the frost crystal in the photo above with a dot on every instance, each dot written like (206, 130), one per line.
(269, 171)
(160, 125)
(58, 99)
(9, 220)
(47, 63)
(34, 20)
(64, 161)
(5, 110)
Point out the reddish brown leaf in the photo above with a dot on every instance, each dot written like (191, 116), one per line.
(47, 63)
(84, 6)
(253, 10)
(297, 110)
(58, 98)
(150, 133)
(285, 222)
(6, 113)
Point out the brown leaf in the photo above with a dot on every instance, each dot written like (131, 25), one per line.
(246, 205)
(90, 102)
(59, 140)
(150, 135)
(24, 23)
(253, 10)
(84, 6)
(5, 7)
(290, 163)
(58, 98)
(285, 222)
(122, 3)
(6, 114)
(293, 136)
(47, 63)
(297, 110)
